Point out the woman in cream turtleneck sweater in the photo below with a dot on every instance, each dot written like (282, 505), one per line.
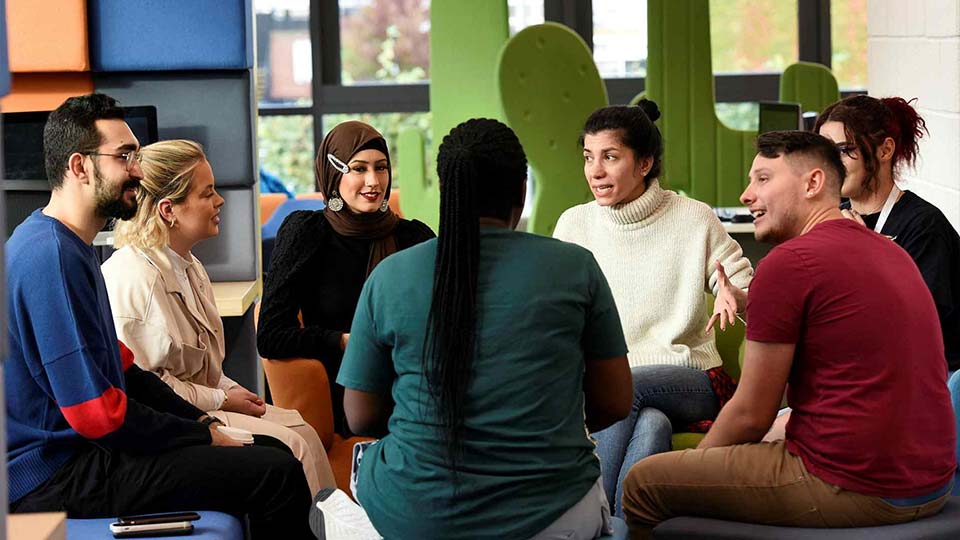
(659, 252)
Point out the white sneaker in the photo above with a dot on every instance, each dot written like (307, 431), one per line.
(344, 519)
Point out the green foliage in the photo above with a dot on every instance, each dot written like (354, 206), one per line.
(386, 40)
(390, 125)
(753, 35)
(743, 115)
(848, 31)
(285, 145)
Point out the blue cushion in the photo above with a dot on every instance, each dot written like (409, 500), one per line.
(150, 35)
(210, 526)
(268, 233)
(943, 526)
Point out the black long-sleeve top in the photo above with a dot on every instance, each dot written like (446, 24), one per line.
(924, 232)
(157, 418)
(317, 274)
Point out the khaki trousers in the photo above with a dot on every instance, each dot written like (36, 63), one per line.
(290, 428)
(755, 483)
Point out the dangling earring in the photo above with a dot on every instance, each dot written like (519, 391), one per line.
(335, 203)
(384, 205)
(173, 222)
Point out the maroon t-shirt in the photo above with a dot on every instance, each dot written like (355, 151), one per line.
(871, 410)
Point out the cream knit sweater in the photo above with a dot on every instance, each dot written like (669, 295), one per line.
(658, 254)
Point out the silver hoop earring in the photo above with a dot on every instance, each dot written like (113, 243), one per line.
(384, 206)
(335, 203)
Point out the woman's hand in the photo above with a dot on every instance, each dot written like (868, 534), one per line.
(240, 400)
(344, 338)
(730, 300)
(852, 215)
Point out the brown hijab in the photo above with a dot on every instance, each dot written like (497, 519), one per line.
(343, 142)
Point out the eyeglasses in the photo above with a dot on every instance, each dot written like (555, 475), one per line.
(846, 149)
(128, 157)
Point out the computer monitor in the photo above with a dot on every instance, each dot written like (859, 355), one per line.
(23, 141)
(778, 116)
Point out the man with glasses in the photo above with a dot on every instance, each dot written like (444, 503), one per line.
(87, 430)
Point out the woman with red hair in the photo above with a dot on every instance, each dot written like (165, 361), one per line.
(876, 139)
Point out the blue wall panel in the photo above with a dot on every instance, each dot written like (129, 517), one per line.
(153, 35)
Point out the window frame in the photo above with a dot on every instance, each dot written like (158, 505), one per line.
(330, 96)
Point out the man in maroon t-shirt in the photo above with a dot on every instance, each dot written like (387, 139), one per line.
(842, 314)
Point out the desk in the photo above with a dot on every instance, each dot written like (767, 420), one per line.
(234, 298)
(45, 526)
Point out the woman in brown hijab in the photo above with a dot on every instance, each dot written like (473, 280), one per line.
(322, 258)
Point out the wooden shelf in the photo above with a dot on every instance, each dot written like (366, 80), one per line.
(234, 298)
(45, 526)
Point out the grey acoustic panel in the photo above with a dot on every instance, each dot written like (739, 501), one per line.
(214, 108)
(20, 204)
(241, 362)
(232, 255)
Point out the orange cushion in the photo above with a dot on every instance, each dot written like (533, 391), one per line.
(47, 35)
(340, 455)
(44, 91)
(269, 202)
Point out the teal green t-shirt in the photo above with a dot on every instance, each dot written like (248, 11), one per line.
(544, 309)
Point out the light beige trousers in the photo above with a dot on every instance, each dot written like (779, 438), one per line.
(292, 430)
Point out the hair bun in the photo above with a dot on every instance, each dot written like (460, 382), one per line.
(650, 108)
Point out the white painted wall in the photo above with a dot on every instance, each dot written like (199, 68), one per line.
(913, 50)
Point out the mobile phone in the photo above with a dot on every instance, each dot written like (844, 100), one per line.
(176, 528)
(168, 517)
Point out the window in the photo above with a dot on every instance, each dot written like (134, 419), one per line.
(285, 146)
(848, 39)
(384, 41)
(620, 38)
(524, 13)
(742, 115)
(375, 61)
(284, 54)
(753, 35)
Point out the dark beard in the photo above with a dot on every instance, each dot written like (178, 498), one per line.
(116, 208)
(109, 205)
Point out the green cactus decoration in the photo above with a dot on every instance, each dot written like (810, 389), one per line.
(811, 85)
(548, 85)
(461, 87)
(702, 156)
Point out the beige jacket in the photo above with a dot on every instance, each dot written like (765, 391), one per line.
(183, 346)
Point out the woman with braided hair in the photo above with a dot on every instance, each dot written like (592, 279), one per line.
(876, 139)
(481, 358)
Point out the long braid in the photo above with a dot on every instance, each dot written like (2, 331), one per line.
(476, 150)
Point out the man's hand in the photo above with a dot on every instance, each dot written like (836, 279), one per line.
(344, 338)
(240, 400)
(219, 439)
(730, 300)
(852, 215)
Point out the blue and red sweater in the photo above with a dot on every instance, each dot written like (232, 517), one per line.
(66, 379)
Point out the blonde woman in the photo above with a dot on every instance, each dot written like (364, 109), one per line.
(163, 304)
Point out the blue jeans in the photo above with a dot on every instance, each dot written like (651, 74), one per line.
(664, 397)
(953, 383)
